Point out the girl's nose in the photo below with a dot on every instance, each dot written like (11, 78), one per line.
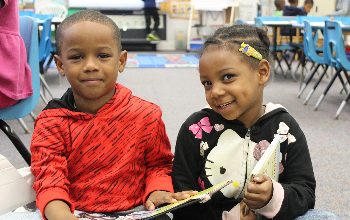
(90, 65)
(217, 91)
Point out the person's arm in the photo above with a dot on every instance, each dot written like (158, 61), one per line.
(49, 164)
(58, 210)
(344, 9)
(294, 194)
(158, 156)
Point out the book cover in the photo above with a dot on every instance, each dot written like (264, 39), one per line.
(269, 162)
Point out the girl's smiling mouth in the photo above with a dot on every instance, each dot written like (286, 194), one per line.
(225, 105)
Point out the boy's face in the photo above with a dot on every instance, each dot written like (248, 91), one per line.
(308, 7)
(90, 59)
(232, 88)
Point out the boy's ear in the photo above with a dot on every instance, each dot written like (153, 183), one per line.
(122, 60)
(59, 65)
(264, 71)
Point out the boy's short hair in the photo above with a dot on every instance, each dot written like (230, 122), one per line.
(309, 2)
(292, 1)
(86, 15)
(279, 3)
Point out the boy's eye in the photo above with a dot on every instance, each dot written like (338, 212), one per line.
(76, 57)
(103, 56)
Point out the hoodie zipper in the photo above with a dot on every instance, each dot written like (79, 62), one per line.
(246, 148)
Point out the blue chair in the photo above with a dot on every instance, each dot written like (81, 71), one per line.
(239, 21)
(29, 33)
(259, 22)
(334, 42)
(312, 54)
(300, 20)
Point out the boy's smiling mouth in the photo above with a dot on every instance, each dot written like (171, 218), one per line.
(92, 80)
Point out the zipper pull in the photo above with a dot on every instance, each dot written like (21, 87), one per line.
(247, 135)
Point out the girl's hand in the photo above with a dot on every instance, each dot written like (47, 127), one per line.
(157, 198)
(250, 216)
(258, 192)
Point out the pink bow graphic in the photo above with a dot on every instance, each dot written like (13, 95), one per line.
(204, 125)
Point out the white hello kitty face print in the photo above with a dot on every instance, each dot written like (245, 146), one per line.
(224, 163)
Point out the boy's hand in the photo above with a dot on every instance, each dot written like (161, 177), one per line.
(157, 198)
(258, 192)
(58, 209)
(250, 216)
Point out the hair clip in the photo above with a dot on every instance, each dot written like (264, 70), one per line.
(250, 51)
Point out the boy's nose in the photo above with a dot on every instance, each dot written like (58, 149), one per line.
(90, 65)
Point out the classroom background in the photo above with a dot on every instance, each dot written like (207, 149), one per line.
(166, 72)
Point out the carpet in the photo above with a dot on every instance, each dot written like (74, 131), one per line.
(161, 60)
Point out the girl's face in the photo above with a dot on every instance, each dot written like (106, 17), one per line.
(232, 88)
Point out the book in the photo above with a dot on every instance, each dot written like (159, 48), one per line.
(30, 212)
(268, 163)
(202, 196)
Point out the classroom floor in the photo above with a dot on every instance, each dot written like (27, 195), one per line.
(179, 93)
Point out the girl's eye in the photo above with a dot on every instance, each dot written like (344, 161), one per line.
(103, 56)
(206, 83)
(227, 77)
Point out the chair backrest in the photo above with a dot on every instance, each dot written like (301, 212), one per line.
(45, 40)
(56, 9)
(239, 21)
(258, 22)
(333, 42)
(309, 44)
(29, 33)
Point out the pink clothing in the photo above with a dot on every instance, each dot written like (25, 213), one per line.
(15, 74)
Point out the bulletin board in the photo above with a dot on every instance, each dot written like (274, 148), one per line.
(181, 9)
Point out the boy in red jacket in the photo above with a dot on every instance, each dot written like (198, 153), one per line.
(98, 148)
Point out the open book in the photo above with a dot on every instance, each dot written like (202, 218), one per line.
(268, 163)
(30, 212)
(202, 196)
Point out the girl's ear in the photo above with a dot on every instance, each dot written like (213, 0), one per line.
(122, 60)
(59, 65)
(264, 71)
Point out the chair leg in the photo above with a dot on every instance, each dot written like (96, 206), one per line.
(16, 141)
(315, 86)
(33, 116)
(289, 67)
(337, 74)
(46, 86)
(43, 98)
(310, 76)
(342, 106)
(24, 126)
